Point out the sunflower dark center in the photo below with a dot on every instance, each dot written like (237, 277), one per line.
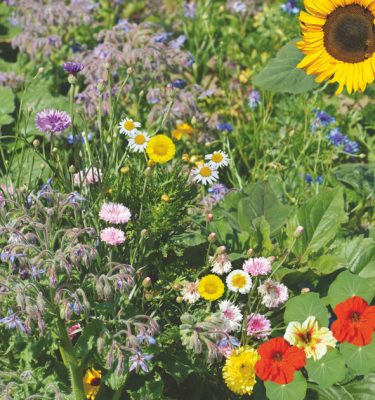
(349, 34)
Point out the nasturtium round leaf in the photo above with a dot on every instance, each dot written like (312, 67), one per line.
(327, 371)
(296, 390)
(305, 305)
(359, 358)
(347, 285)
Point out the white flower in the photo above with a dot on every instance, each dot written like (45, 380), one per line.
(220, 264)
(217, 159)
(239, 281)
(138, 141)
(205, 174)
(128, 126)
(273, 293)
(190, 292)
(231, 315)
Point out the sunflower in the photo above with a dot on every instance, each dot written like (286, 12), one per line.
(91, 383)
(161, 149)
(339, 42)
(211, 287)
(239, 370)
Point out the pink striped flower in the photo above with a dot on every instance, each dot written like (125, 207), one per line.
(115, 213)
(257, 266)
(258, 326)
(112, 236)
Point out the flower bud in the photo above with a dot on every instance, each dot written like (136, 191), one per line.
(144, 233)
(165, 198)
(185, 157)
(129, 70)
(100, 345)
(36, 143)
(210, 217)
(40, 70)
(30, 109)
(305, 290)
(147, 282)
(299, 231)
(179, 299)
(148, 171)
(40, 302)
(124, 170)
(149, 296)
(221, 250)
(211, 237)
(55, 150)
(176, 286)
(250, 253)
(72, 169)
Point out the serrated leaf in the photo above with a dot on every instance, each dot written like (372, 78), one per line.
(281, 74)
(347, 285)
(7, 104)
(328, 370)
(305, 305)
(359, 358)
(295, 390)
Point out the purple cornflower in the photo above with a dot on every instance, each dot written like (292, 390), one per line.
(322, 119)
(179, 83)
(309, 179)
(13, 322)
(351, 146)
(189, 9)
(253, 99)
(78, 138)
(139, 360)
(225, 127)
(239, 7)
(162, 37)
(336, 137)
(218, 191)
(72, 67)
(52, 121)
(290, 7)
(177, 43)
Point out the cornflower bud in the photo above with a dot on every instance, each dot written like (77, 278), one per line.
(210, 217)
(147, 282)
(36, 143)
(299, 231)
(211, 237)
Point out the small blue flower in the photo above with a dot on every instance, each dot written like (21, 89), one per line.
(322, 119)
(225, 127)
(178, 43)
(309, 179)
(351, 146)
(253, 99)
(179, 83)
(290, 7)
(78, 138)
(162, 37)
(139, 361)
(336, 137)
(13, 322)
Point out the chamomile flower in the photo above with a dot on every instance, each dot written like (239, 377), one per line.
(138, 141)
(239, 281)
(128, 126)
(217, 159)
(205, 174)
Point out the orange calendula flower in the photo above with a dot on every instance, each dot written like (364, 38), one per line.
(91, 383)
(182, 130)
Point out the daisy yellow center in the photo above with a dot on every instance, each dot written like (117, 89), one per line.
(239, 281)
(349, 34)
(217, 157)
(129, 125)
(206, 172)
(139, 139)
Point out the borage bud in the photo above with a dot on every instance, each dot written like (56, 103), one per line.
(147, 282)
(41, 304)
(299, 231)
(212, 237)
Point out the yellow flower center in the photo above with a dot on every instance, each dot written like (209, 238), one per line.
(139, 139)
(239, 281)
(217, 157)
(129, 125)
(206, 172)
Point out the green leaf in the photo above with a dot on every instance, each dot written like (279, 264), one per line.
(295, 390)
(359, 254)
(281, 74)
(359, 358)
(87, 340)
(114, 381)
(347, 285)
(5, 119)
(328, 370)
(358, 177)
(151, 390)
(321, 218)
(260, 201)
(7, 105)
(178, 365)
(305, 305)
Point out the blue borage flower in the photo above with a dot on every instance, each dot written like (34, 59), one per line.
(13, 322)
(139, 361)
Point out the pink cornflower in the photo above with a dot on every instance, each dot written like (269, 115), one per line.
(112, 236)
(273, 293)
(231, 315)
(88, 176)
(257, 266)
(115, 213)
(52, 121)
(258, 326)
(73, 330)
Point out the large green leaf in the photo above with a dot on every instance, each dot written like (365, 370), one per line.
(7, 105)
(260, 201)
(305, 305)
(295, 390)
(281, 74)
(321, 218)
(359, 177)
(347, 285)
(87, 340)
(151, 390)
(359, 358)
(328, 370)
(178, 365)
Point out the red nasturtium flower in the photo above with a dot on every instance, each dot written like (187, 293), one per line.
(355, 321)
(279, 360)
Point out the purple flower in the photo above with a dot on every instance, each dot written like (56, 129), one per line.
(336, 137)
(78, 138)
(225, 127)
(322, 119)
(162, 37)
(177, 43)
(143, 337)
(139, 361)
(309, 179)
(52, 121)
(290, 7)
(179, 83)
(189, 9)
(73, 68)
(253, 99)
(351, 146)
(218, 191)
(239, 7)
(13, 322)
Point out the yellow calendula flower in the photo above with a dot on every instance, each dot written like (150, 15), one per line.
(160, 149)
(91, 383)
(339, 42)
(239, 370)
(310, 337)
(211, 287)
(182, 130)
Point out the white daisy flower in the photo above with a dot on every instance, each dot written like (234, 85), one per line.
(217, 159)
(231, 315)
(190, 292)
(138, 141)
(205, 174)
(128, 126)
(239, 281)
